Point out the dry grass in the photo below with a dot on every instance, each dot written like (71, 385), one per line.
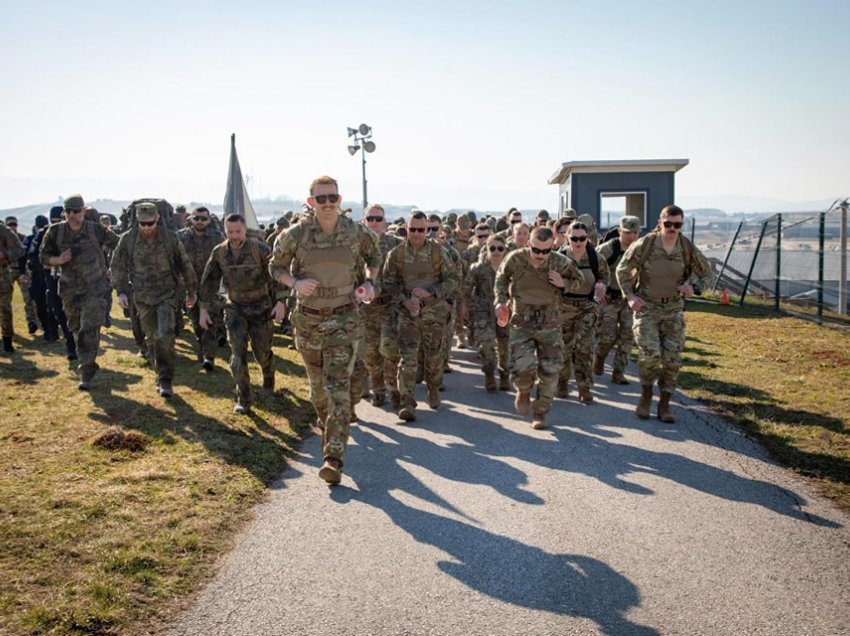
(116, 504)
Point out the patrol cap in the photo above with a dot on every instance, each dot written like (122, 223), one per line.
(630, 223)
(11, 219)
(463, 222)
(282, 222)
(74, 202)
(569, 213)
(180, 208)
(146, 211)
(56, 211)
(41, 221)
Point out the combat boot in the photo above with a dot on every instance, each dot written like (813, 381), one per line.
(395, 399)
(7, 345)
(538, 421)
(523, 402)
(584, 395)
(86, 376)
(378, 398)
(331, 471)
(617, 377)
(563, 390)
(598, 365)
(242, 409)
(664, 412)
(165, 389)
(407, 414)
(642, 409)
(434, 397)
(490, 381)
(268, 386)
(504, 381)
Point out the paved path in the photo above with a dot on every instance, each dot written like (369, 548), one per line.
(470, 522)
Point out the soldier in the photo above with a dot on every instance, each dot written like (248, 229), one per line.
(32, 271)
(76, 247)
(542, 218)
(30, 309)
(532, 279)
(321, 259)
(615, 326)
(423, 281)
(148, 262)
(199, 240)
(578, 311)
(253, 301)
(478, 288)
(51, 281)
(655, 276)
(182, 217)
(10, 251)
(463, 237)
(514, 217)
(520, 233)
(380, 319)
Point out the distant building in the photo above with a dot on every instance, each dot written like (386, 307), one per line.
(608, 190)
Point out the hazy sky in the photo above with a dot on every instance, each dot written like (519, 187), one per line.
(473, 104)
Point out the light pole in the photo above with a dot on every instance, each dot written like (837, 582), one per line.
(362, 141)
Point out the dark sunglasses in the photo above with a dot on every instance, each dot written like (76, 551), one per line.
(200, 218)
(73, 210)
(434, 229)
(676, 224)
(497, 248)
(513, 221)
(321, 199)
(147, 223)
(482, 236)
(578, 239)
(12, 224)
(416, 229)
(537, 250)
(374, 219)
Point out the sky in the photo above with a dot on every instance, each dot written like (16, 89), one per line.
(472, 104)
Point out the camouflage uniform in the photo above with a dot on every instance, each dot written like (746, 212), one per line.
(10, 251)
(451, 318)
(151, 269)
(326, 322)
(250, 296)
(659, 326)
(578, 315)
(379, 318)
(429, 267)
(490, 338)
(615, 326)
(82, 284)
(198, 248)
(536, 349)
(30, 310)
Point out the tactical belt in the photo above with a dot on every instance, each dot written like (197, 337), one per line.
(533, 311)
(249, 296)
(669, 299)
(577, 302)
(330, 311)
(332, 292)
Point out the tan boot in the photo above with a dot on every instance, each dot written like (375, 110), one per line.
(598, 365)
(433, 396)
(563, 390)
(585, 396)
(504, 381)
(617, 377)
(331, 471)
(538, 421)
(642, 409)
(407, 414)
(664, 412)
(490, 381)
(378, 398)
(523, 402)
(395, 399)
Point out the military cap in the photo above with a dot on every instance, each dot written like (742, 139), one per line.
(56, 211)
(75, 202)
(451, 217)
(463, 222)
(180, 208)
(569, 213)
(41, 221)
(146, 211)
(630, 223)
(282, 222)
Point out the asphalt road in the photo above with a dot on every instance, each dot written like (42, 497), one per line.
(467, 522)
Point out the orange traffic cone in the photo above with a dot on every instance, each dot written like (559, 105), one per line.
(724, 298)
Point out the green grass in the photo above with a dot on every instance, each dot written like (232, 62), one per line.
(785, 380)
(116, 504)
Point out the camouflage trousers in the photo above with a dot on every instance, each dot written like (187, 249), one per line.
(428, 332)
(29, 305)
(451, 322)
(135, 324)
(659, 330)
(158, 324)
(578, 320)
(207, 338)
(615, 329)
(536, 354)
(491, 341)
(85, 318)
(328, 347)
(380, 325)
(359, 373)
(6, 326)
(246, 323)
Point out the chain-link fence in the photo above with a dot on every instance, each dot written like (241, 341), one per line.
(794, 260)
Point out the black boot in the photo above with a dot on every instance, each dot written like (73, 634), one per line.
(7, 345)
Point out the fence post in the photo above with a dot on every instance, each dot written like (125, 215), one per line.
(821, 247)
(728, 254)
(842, 256)
(753, 263)
(693, 227)
(776, 285)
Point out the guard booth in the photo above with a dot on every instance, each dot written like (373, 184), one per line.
(608, 190)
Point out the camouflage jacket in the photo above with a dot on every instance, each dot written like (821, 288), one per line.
(245, 274)
(85, 273)
(11, 248)
(200, 246)
(516, 265)
(603, 272)
(404, 267)
(151, 269)
(611, 252)
(479, 287)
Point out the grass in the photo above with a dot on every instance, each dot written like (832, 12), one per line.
(782, 379)
(116, 504)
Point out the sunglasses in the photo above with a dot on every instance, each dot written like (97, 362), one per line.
(73, 210)
(537, 250)
(12, 224)
(147, 223)
(578, 239)
(515, 221)
(374, 219)
(200, 218)
(497, 248)
(676, 224)
(416, 229)
(482, 236)
(321, 199)
(434, 229)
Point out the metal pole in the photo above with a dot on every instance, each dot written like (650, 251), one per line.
(363, 153)
(753, 264)
(821, 232)
(777, 284)
(842, 255)
(693, 228)
(728, 254)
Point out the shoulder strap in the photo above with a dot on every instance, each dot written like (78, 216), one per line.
(687, 253)
(593, 257)
(60, 234)
(435, 257)
(646, 249)
(615, 252)
(255, 252)
(399, 259)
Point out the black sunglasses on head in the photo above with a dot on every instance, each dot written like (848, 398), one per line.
(676, 224)
(321, 199)
(544, 251)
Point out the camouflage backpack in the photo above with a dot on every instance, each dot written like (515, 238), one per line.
(167, 219)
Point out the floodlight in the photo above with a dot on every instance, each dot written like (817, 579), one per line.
(353, 149)
(364, 129)
(352, 131)
(369, 146)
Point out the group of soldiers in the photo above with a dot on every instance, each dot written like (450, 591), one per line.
(374, 306)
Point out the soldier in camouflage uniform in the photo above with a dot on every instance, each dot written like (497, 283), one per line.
(656, 274)
(11, 250)
(490, 338)
(435, 233)
(380, 320)
(30, 309)
(199, 239)
(253, 301)
(462, 238)
(578, 311)
(423, 280)
(322, 258)
(532, 279)
(148, 264)
(514, 216)
(615, 325)
(76, 246)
